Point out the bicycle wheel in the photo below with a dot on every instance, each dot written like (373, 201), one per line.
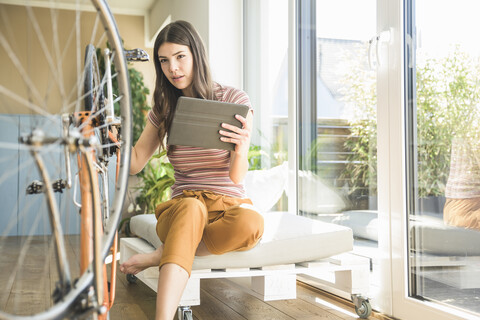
(92, 88)
(94, 101)
(105, 126)
(41, 87)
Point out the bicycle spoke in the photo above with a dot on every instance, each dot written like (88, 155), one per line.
(94, 115)
(94, 32)
(78, 53)
(56, 46)
(26, 103)
(46, 52)
(13, 57)
(79, 75)
(43, 94)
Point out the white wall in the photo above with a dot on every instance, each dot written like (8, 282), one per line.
(226, 41)
(219, 23)
(166, 11)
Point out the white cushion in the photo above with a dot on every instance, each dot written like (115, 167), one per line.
(314, 196)
(364, 223)
(287, 239)
(437, 238)
(265, 187)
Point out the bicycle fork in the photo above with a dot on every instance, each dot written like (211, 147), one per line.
(91, 220)
(36, 140)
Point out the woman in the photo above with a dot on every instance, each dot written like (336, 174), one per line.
(208, 212)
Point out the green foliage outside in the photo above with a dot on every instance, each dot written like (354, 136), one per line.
(255, 157)
(448, 92)
(360, 94)
(271, 155)
(447, 96)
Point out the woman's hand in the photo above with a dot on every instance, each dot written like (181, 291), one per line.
(238, 136)
(241, 138)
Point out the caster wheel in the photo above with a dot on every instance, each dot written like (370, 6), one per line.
(364, 310)
(362, 306)
(185, 313)
(131, 278)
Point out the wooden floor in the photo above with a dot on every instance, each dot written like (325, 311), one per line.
(223, 299)
(28, 277)
(30, 288)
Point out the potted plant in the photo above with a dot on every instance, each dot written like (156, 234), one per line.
(156, 179)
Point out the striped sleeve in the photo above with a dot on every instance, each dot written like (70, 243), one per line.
(153, 119)
(237, 96)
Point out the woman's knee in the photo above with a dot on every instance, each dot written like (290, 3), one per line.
(250, 230)
(250, 223)
(256, 225)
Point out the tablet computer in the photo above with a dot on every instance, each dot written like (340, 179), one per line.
(197, 122)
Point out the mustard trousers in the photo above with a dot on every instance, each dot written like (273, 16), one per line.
(224, 224)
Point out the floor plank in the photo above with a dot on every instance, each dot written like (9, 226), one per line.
(220, 298)
(295, 308)
(301, 309)
(31, 284)
(8, 264)
(212, 308)
(137, 296)
(248, 306)
(341, 310)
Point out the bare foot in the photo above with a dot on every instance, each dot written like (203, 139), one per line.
(142, 261)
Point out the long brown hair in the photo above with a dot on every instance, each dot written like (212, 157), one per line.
(166, 95)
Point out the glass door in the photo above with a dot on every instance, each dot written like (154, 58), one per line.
(338, 111)
(442, 69)
(266, 77)
(337, 64)
(380, 108)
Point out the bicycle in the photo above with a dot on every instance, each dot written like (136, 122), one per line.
(75, 122)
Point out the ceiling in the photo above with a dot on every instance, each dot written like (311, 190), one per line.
(131, 7)
(125, 6)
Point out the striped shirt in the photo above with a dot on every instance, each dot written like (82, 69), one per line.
(205, 169)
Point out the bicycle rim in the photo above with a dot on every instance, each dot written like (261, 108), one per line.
(92, 88)
(42, 53)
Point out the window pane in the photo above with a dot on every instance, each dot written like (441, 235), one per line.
(337, 178)
(342, 151)
(266, 82)
(444, 219)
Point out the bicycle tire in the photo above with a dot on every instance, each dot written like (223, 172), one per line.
(92, 87)
(94, 98)
(41, 92)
